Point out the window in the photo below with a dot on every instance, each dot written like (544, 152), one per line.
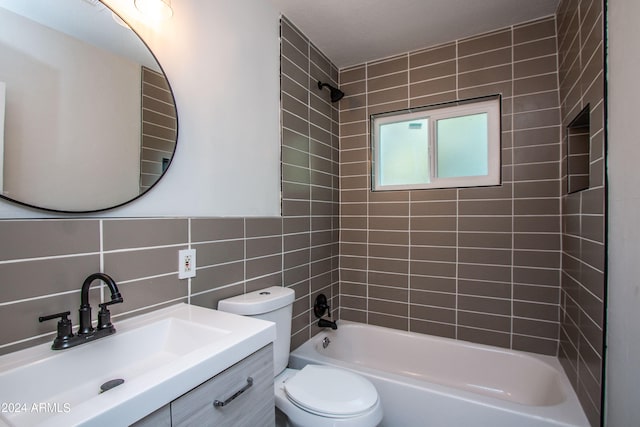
(448, 145)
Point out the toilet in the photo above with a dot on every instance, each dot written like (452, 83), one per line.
(316, 395)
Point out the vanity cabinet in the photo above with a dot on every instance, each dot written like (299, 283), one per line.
(253, 407)
(159, 418)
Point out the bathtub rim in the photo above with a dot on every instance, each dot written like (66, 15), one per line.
(562, 414)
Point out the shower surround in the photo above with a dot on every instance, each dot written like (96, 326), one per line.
(521, 265)
(479, 264)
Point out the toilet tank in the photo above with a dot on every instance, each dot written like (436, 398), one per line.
(274, 304)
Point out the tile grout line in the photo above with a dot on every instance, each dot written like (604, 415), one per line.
(189, 241)
(457, 206)
(512, 195)
(309, 139)
(409, 226)
(101, 233)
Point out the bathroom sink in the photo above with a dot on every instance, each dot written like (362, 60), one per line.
(159, 355)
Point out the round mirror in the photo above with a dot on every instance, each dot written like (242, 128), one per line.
(87, 116)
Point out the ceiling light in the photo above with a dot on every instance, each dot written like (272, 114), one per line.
(158, 10)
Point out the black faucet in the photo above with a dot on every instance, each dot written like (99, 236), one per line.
(65, 337)
(320, 307)
(324, 323)
(85, 308)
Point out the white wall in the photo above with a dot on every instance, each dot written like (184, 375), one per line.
(622, 387)
(222, 61)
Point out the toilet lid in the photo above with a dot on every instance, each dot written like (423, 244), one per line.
(330, 391)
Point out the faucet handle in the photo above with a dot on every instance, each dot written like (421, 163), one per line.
(64, 324)
(104, 315)
(321, 306)
(62, 316)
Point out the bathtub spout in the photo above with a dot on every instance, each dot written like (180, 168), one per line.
(324, 323)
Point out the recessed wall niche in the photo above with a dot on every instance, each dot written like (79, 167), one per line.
(578, 144)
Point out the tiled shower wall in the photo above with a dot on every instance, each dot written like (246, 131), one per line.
(581, 72)
(310, 198)
(479, 264)
(44, 262)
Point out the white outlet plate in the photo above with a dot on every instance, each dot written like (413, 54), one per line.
(186, 263)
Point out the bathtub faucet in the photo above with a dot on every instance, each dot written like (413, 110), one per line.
(324, 323)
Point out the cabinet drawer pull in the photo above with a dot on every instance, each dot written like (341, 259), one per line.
(219, 403)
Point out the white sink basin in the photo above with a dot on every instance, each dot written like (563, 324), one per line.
(159, 355)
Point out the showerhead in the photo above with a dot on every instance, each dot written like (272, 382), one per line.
(336, 94)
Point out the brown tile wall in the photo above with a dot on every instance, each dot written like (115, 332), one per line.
(581, 76)
(478, 264)
(310, 198)
(44, 262)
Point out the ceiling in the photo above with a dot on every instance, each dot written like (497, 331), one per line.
(352, 32)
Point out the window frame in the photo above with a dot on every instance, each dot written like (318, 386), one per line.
(491, 105)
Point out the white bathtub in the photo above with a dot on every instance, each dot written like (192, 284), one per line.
(430, 381)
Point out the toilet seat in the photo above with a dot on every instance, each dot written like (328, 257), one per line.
(330, 392)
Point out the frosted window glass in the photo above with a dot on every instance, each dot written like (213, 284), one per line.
(462, 146)
(404, 153)
(452, 145)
